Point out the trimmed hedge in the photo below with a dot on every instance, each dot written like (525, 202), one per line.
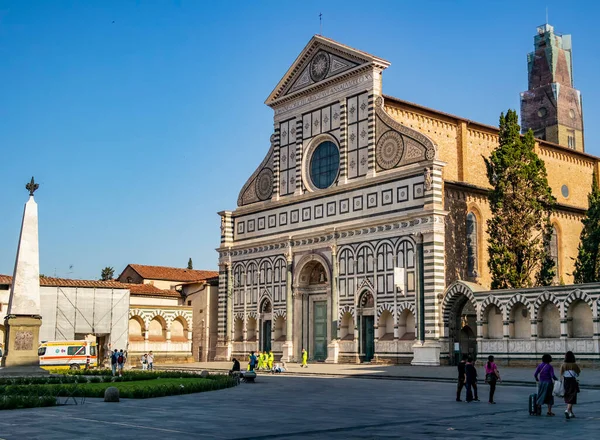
(133, 389)
(28, 401)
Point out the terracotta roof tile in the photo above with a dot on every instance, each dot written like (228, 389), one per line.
(172, 273)
(134, 289)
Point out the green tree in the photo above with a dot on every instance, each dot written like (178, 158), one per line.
(108, 273)
(190, 265)
(587, 264)
(521, 203)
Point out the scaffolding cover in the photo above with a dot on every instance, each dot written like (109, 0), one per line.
(71, 311)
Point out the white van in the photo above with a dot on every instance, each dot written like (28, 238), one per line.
(68, 354)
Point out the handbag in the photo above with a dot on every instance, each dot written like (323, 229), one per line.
(559, 388)
(490, 377)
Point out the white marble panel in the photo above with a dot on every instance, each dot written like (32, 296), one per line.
(291, 157)
(335, 116)
(363, 106)
(352, 164)
(352, 110)
(283, 133)
(363, 134)
(306, 126)
(292, 131)
(316, 122)
(352, 137)
(363, 161)
(283, 183)
(326, 119)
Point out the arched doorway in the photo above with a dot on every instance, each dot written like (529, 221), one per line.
(366, 326)
(460, 320)
(465, 326)
(311, 309)
(266, 313)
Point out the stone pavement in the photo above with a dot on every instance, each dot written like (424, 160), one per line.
(510, 375)
(284, 407)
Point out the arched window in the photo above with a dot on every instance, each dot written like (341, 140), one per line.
(553, 252)
(472, 267)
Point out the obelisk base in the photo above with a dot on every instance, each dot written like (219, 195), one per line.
(22, 340)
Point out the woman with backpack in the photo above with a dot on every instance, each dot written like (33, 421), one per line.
(491, 376)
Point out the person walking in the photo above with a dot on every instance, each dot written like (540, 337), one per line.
(491, 377)
(113, 361)
(150, 360)
(461, 377)
(544, 374)
(569, 372)
(120, 362)
(144, 361)
(471, 380)
(304, 359)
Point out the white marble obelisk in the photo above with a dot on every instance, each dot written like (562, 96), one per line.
(23, 318)
(25, 290)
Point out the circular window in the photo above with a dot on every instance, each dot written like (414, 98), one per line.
(565, 191)
(324, 165)
(572, 113)
(542, 112)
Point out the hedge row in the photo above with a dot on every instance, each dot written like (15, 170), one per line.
(143, 391)
(32, 401)
(98, 376)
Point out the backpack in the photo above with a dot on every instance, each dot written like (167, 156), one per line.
(120, 359)
(113, 359)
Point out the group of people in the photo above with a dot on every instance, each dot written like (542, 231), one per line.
(117, 361)
(265, 361)
(467, 377)
(544, 376)
(147, 361)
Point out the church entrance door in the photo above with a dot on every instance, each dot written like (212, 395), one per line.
(320, 330)
(266, 335)
(368, 337)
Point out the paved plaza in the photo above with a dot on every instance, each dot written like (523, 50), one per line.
(286, 407)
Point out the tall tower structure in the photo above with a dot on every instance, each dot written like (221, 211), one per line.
(551, 107)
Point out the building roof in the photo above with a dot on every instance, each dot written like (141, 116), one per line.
(66, 282)
(134, 289)
(171, 273)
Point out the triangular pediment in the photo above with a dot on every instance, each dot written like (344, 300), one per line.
(321, 61)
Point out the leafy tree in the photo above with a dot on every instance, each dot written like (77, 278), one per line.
(108, 273)
(521, 203)
(190, 265)
(587, 265)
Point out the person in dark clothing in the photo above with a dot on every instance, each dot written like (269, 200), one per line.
(235, 367)
(471, 380)
(461, 377)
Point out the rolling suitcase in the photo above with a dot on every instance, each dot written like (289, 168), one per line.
(533, 409)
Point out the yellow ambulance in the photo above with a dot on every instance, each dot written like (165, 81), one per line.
(55, 355)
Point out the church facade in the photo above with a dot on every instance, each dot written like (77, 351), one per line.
(361, 235)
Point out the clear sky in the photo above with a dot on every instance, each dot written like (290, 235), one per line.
(141, 120)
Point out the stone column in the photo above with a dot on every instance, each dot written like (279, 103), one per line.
(146, 339)
(23, 320)
(288, 345)
(333, 348)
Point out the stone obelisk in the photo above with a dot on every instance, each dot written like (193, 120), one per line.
(23, 318)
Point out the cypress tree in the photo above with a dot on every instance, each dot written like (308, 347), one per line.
(521, 203)
(190, 264)
(587, 265)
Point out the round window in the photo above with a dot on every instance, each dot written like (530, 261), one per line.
(565, 191)
(324, 165)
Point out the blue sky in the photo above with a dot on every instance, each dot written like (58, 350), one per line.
(141, 120)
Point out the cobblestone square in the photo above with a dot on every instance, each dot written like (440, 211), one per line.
(309, 407)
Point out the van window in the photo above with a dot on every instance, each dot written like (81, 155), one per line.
(41, 351)
(74, 351)
(93, 350)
